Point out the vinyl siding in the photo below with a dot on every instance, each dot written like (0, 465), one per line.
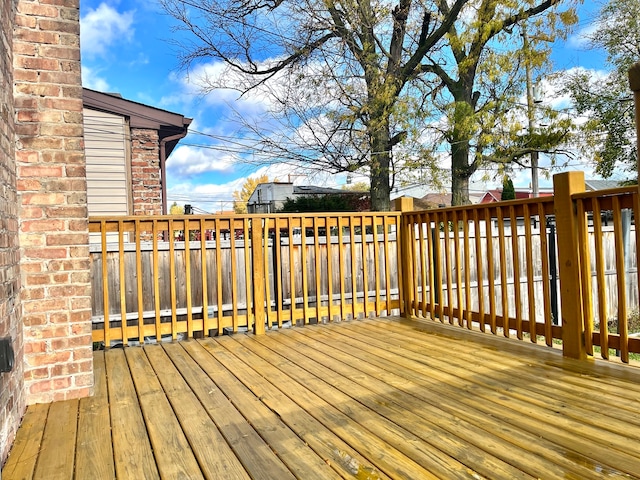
(106, 138)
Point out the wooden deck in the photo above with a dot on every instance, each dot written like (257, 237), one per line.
(365, 399)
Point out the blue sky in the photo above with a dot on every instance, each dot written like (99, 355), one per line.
(126, 49)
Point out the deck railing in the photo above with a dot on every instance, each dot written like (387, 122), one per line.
(561, 269)
(184, 276)
(610, 301)
(484, 266)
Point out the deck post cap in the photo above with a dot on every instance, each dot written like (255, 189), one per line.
(634, 77)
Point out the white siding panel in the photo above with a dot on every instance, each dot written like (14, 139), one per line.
(106, 153)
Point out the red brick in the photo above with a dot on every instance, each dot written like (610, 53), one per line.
(59, 26)
(24, 48)
(82, 303)
(33, 294)
(67, 53)
(37, 10)
(58, 344)
(35, 347)
(43, 225)
(38, 144)
(41, 279)
(83, 353)
(31, 267)
(28, 129)
(37, 373)
(31, 319)
(71, 104)
(42, 198)
(67, 291)
(38, 89)
(63, 129)
(84, 380)
(60, 278)
(29, 184)
(59, 317)
(27, 157)
(32, 241)
(45, 306)
(52, 358)
(34, 63)
(45, 253)
(81, 328)
(22, 21)
(40, 386)
(35, 36)
(38, 116)
(20, 75)
(47, 331)
(61, 383)
(40, 171)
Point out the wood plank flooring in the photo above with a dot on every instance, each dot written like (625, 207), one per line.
(371, 399)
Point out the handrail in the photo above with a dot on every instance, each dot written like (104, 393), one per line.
(470, 267)
(173, 276)
(467, 267)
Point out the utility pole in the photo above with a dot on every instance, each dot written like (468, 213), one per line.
(530, 110)
(634, 83)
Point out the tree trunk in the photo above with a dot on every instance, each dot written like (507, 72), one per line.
(461, 136)
(460, 172)
(379, 173)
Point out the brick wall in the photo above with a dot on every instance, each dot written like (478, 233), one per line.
(145, 172)
(56, 289)
(12, 402)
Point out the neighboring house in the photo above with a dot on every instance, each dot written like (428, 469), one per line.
(441, 200)
(601, 184)
(126, 146)
(491, 196)
(269, 197)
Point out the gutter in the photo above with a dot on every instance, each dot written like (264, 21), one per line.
(163, 160)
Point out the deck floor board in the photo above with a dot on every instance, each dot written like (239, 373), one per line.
(370, 399)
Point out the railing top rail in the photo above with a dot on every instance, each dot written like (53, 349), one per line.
(610, 192)
(148, 218)
(545, 201)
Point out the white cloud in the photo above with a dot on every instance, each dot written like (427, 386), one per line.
(582, 38)
(104, 27)
(188, 161)
(214, 86)
(216, 197)
(91, 79)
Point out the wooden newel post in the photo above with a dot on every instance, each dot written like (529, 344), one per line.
(403, 239)
(634, 84)
(257, 253)
(565, 185)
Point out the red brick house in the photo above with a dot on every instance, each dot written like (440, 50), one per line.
(491, 196)
(126, 148)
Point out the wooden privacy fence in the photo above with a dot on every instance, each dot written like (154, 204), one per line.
(180, 276)
(493, 267)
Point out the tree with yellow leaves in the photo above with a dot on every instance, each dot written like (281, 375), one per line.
(176, 209)
(240, 197)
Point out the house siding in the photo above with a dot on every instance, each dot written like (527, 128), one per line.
(12, 399)
(107, 154)
(52, 198)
